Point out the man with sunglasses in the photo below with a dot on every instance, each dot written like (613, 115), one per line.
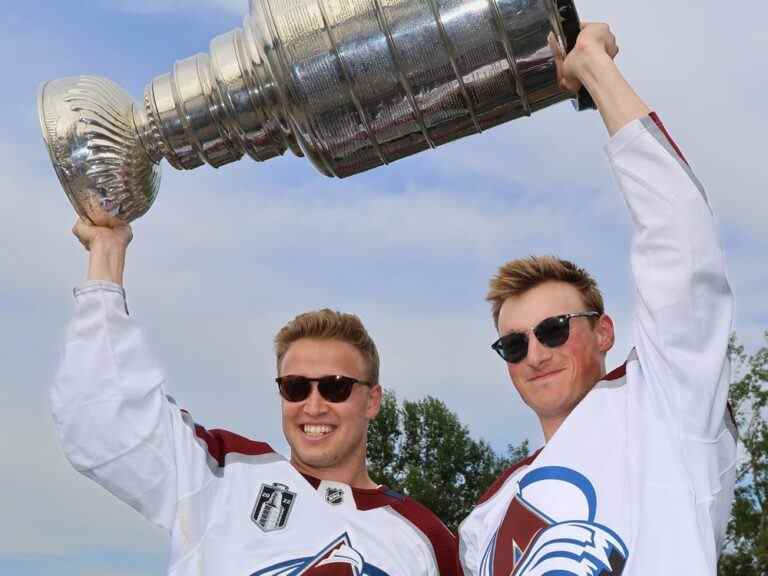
(636, 476)
(232, 505)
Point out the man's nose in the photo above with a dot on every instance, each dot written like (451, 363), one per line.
(315, 403)
(538, 354)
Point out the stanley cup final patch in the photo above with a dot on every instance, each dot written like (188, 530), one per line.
(273, 507)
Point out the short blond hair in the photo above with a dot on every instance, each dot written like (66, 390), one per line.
(518, 276)
(329, 324)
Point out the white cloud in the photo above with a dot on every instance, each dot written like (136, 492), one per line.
(234, 7)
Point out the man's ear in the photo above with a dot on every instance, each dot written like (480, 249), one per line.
(374, 402)
(605, 333)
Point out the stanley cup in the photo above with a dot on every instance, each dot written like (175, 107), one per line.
(350, 84)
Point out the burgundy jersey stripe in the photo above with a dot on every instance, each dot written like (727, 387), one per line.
(616, 373)
(221, 442)
(499, 482)
(315, 482)
(660, 124)
(368, 499)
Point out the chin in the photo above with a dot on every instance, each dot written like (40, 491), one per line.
(317, 458)
(550, 408)
(316, 463)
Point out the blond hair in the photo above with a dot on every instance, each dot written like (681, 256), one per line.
(329, 324)
(518, 276)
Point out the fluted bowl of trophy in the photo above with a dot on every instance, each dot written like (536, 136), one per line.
(89, 129)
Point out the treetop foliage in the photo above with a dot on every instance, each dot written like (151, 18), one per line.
(746, 551)
(421, 449)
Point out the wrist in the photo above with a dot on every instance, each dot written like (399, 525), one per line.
(595, 66)
(616, 100)
(106, 262)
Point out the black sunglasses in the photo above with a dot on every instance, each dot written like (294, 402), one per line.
(331, 388)
(552, 332)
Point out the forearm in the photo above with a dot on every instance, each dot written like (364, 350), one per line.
(106, 262)
(617, 102)
(107, 246)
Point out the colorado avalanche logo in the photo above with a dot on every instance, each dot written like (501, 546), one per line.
(339, 558)
(530, 543)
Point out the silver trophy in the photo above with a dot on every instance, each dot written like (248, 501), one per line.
(350, 84)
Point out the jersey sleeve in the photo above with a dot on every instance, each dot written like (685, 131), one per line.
(115, 423)
(468, 548)
(683, 304)
(443, 542)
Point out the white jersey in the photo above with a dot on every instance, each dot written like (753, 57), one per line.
(233, 506)
(639, 479)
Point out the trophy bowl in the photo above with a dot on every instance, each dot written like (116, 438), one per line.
(89, 130)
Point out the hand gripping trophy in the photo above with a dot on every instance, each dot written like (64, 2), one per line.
(350, 84)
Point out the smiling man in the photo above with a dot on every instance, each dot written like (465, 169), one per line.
(233, 506)
(562, 303)
(328, 380)
(636, 476)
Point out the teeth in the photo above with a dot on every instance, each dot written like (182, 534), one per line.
(317, 429)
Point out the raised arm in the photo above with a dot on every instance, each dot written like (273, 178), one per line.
(115, 423)
(683, 306)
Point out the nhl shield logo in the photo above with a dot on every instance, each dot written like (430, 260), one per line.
(273, 507)
(334, 496)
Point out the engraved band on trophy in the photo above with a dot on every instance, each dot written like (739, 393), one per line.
(350, 84)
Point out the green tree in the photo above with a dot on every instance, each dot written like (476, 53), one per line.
(421, 449)
(746, 552)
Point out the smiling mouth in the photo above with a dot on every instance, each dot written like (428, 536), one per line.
(545, 375)
(317, 430)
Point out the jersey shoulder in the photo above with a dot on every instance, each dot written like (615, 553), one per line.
(221, 443)
(504, 476)
(444, 542)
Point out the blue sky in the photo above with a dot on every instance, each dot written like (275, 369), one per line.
(226, 257)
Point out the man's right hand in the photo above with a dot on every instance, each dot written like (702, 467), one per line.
(107, 245)
(595, 47)
(590, 64)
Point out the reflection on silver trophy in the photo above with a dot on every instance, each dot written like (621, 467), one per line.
(350, 84)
